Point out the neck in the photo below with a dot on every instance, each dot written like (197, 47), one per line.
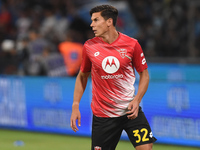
(110, 37)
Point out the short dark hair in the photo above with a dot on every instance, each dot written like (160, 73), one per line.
(107, 11)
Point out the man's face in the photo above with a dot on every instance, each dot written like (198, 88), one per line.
(99, 24)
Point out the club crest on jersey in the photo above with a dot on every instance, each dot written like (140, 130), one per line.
(97, 148)
(122, 52)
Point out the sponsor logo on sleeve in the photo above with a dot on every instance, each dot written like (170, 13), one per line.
(143, 61)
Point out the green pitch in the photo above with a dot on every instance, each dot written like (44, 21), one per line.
(45, 141)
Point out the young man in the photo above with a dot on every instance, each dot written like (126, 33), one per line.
(111, 58)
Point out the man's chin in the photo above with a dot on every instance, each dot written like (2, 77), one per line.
(96, 35)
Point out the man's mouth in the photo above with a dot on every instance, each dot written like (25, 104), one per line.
(94, 31)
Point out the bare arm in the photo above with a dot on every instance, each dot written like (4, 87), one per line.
(80, 85)
(142, 88)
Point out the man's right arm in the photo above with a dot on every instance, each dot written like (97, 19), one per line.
(80, 85)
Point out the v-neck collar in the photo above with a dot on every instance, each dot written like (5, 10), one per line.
(119, 35)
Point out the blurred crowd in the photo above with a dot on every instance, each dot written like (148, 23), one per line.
(45, 37)
(32, 32)
(169, 28)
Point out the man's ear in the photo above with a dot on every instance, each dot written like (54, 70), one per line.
(110, 22)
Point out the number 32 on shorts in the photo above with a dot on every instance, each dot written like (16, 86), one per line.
(137, 133)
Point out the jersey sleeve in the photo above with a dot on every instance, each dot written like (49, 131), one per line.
(139, 61)
(86, 63)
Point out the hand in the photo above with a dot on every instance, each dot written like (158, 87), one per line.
(133, 108)
(75, 116)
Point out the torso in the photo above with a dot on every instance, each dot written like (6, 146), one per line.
(112, 73)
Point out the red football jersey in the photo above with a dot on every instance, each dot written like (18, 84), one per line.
(112, 70)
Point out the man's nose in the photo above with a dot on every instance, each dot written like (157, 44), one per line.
(91, 25)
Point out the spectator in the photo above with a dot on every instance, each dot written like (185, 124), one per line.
(22, 48)
(197, 32)
(9, 58)
(72, 53)
(5, 22)
(23, 23)
(36, 46)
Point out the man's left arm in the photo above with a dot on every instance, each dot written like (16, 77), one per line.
(142, 88)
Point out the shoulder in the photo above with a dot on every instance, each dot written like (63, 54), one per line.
(92, 41)
(128, 39)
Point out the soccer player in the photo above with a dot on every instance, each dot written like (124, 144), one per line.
(112, 57)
